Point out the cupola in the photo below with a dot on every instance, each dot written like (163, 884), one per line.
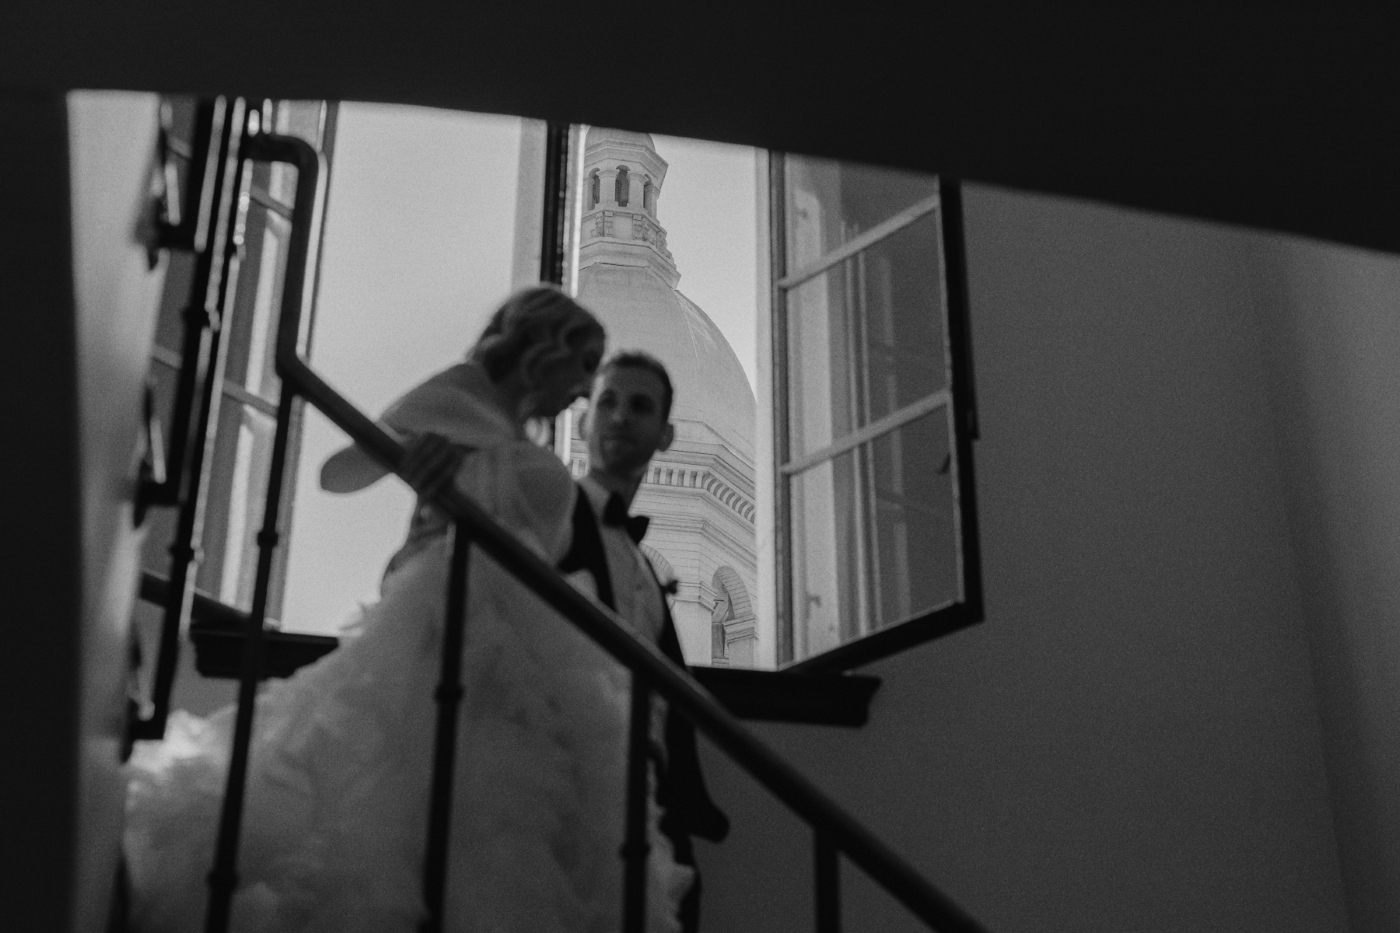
(623, 177)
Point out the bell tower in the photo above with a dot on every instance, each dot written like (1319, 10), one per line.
(622, 183)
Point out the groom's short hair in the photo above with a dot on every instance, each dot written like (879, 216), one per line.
(636, 359)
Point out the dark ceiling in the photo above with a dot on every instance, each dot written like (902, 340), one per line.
(1282, 118)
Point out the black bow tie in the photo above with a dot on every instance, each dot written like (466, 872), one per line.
(615, 513)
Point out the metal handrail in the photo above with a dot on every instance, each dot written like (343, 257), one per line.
(301, 259)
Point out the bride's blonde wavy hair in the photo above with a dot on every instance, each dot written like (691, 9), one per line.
(534, 329)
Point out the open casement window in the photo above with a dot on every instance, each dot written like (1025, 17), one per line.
(875, 526)
(246, 419)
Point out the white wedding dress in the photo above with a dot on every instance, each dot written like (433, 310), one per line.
(334, 827)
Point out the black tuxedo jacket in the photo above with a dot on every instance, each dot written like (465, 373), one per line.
(687, 809)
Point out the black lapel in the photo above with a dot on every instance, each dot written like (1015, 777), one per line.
(669, 642)
(586, 550)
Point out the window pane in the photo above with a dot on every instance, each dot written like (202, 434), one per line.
(875, 536)
(914, 563)
(238, 477)
(338, 545)
(830, 202)
(825, 558)
(433, 217)
(866, 338)
(252, 331)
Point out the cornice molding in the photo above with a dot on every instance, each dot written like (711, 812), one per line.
(704, 479)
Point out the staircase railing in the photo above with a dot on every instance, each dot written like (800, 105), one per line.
(836, 833)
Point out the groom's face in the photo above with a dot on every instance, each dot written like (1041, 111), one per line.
(625, 424)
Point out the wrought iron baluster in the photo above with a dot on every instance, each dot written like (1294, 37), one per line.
(306, 218)
(449, 701)
(635, 847)
(223, 879)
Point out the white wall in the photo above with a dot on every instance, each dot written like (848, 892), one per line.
(1131, 741)
(1334, 342)
(112, 138)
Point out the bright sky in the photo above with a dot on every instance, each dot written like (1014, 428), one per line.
(419, 232)
(708, 206)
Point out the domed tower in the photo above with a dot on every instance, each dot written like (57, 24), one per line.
(623, 175)
(700, 493)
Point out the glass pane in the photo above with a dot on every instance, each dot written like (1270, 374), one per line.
(252, 332)
(830, 202)
(338, 545)
(825, 559)
(866, 338)
(430, 213)
(915, 565)
(237, 493)
(875, 536)
(421, 228)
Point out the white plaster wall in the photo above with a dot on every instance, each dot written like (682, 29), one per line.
(111, 142)
(1334, 343)
(1131, 741)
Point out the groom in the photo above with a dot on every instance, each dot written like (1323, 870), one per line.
(628, 420)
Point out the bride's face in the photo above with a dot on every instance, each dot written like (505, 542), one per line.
(571, 379)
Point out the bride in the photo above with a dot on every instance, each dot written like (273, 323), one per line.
(334, 825)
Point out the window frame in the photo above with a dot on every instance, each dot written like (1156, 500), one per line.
(221, 486)
(959, 396)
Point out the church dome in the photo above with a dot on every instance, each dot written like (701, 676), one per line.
(628, 278)
(642, 312)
